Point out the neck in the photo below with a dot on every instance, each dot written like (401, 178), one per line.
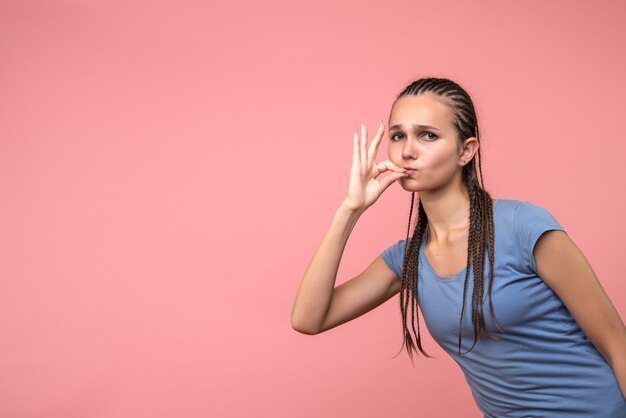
(447, 211)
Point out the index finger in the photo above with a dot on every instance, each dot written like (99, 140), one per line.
(373, 150)
(388, 165)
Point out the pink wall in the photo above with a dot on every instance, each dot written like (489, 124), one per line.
(168, 168)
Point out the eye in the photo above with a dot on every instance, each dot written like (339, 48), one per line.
(396, 137)
(430, 136)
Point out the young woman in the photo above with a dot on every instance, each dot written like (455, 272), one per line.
(501, 286)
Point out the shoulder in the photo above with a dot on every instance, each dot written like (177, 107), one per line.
(519, 211)
(507, 205)
(523, 216)
(528, 222)
(530, 213)
(394, 256)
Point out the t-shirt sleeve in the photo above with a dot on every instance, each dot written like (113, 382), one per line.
(394, 257)
(530, 222)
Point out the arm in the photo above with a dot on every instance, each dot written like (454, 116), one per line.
(319, 305)
(564, 268)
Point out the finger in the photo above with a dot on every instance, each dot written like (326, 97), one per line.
(389, 180)
(363, 141)
(373, 150)
(355, 150)
(381, 167)
(388, 165)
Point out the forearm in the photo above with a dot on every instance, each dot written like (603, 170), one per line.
(318, 282)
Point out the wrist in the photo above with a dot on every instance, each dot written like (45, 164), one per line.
(347, 209)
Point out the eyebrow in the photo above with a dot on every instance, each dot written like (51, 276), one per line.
(414, 126)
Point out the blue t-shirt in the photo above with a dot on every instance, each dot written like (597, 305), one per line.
(543, 365)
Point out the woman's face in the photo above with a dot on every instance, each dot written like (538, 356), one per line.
(423, 139)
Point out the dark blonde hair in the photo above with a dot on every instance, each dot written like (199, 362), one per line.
(481, 231)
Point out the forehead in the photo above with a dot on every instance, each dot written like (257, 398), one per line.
(424, 109)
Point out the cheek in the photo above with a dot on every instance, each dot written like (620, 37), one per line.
(440, 159)
(394, 152)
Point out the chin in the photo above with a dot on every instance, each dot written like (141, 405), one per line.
(410, 185)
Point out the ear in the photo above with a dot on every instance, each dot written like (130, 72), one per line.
(469, 148)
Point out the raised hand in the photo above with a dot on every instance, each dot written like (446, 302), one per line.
(364, 188)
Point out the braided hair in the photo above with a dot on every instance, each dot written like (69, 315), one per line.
(481, 230)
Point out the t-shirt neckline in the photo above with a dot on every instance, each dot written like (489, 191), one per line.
(424, 260)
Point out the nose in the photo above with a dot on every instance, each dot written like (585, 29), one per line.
(409, 149)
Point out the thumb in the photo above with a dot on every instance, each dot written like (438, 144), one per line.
(387, 181)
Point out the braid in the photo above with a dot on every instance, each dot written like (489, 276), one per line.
(481, 227)
(471, 248)
(409, 291)
(404, 286)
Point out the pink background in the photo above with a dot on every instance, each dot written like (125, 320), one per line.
(167, 169)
